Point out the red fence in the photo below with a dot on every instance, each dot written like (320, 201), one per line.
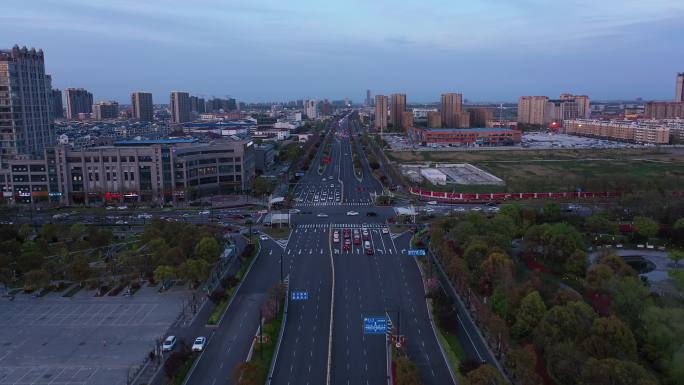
(438, 195)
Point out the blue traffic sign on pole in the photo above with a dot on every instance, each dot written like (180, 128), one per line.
(374, 325)
(300, 295)
(416, 252)
(299, 174)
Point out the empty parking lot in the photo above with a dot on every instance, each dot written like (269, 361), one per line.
(84, 340)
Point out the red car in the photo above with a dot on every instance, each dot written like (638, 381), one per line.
(347, 245)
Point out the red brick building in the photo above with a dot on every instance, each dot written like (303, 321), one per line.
(465, 136)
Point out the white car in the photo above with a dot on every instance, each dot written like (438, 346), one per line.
(169, 344)
(295, 211)
(205, 212)
(322, 215)
(432, 203)
(476, 208)
(352, 213)
(199, 344)
(459, 209)
(385, 230)
(429, 210)
(263, 237)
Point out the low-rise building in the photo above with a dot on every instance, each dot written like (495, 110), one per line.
(465, 136)
(647, 132)
(264, 157)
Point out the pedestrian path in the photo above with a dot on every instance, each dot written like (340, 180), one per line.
(340, 225)
(323, 204)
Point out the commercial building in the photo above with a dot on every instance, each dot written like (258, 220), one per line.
(434, 119)
(79, 101)
(105, 110)
(369, 100)
(380, 112)
(152, 170)
(451, 105)
(397, 108)
(264, 157)
(143, 109)
(57, 106)
(628, 131)
(664, 110)
(479, 116)
(26, 121)
(679, 88)
(310, 109)
(180, 107)
(464, 136)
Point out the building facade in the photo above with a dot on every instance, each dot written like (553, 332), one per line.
(679, 88)
(143, 108)
(628, 131)
(397, 109)
(310, 109)
(380, 112)
(79, 101)
(465, 136)
(407, 119)
(531, 110)
(451, 105)
(57, 105)
(540, 110)
(105, 110)
(156, 171)
(26, 121)
(479, 116)
(664, 110)
(434, 119)
(180, 107)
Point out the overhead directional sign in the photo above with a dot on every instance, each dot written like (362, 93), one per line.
(416, 252)
(300, 295)
(374, 325)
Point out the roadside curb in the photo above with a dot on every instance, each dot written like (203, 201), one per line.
(237, 289)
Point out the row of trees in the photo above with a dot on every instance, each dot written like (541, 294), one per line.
(609, 329)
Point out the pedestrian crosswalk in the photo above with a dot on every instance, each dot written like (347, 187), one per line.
(325, 204)
(340, 225)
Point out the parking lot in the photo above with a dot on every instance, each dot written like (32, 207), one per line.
(83, 340)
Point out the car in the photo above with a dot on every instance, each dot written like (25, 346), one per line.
(371, 214)
(169, 344)
(199, 344)
(432, 203)
(352, 213)
(493, 209)
(295, 211)
(476, 208)
(332, 185)
(346, 246)
(263, 237)
(204, 212)
(385, 230)
(459, 209)
(322, 215)
(357, 239)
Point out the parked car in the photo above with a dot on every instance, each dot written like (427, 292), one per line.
(352, 213)
(199, 344)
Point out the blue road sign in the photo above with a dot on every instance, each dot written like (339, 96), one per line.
(416, 252)
(300, 295)
(299, 174)
(374, 325)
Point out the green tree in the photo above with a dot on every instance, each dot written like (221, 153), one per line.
(679, 224)
(565, 323)
(600, 278)
(630, 299)
(522, 362)
(614, 372)
(194, 271)
(662, 333)
(79, 270)
(552, 212)
(164, 272)
(25, 232)
(207, 249)
(532, 310)
(645, 227)
(600, 224)
(610, 338)
(676, 256)
(485, 375)
(77, 231)
(31, 256)
(563, 361)
(36, 279)
(407, 372)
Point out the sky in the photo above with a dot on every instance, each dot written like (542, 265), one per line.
(270, 50)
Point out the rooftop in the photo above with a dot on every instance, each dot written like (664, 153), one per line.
(153, 141)
(466, 129)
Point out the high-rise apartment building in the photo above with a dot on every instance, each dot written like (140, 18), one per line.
(397, 109)
(434, 119)
(143, 109)
(451, 104)
(310, 109)
(407, 119)
(180, 107)
(197, 105)
(79, 101)
(664, 110)
(105, 110)
(380, 112)
(369, 101)
(679, 91)
(57, 106)
(479, 116)
(26, 122)
(531, 109)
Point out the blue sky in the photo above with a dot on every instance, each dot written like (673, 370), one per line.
(268, 50)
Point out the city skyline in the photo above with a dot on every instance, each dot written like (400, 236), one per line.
(324, 58)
